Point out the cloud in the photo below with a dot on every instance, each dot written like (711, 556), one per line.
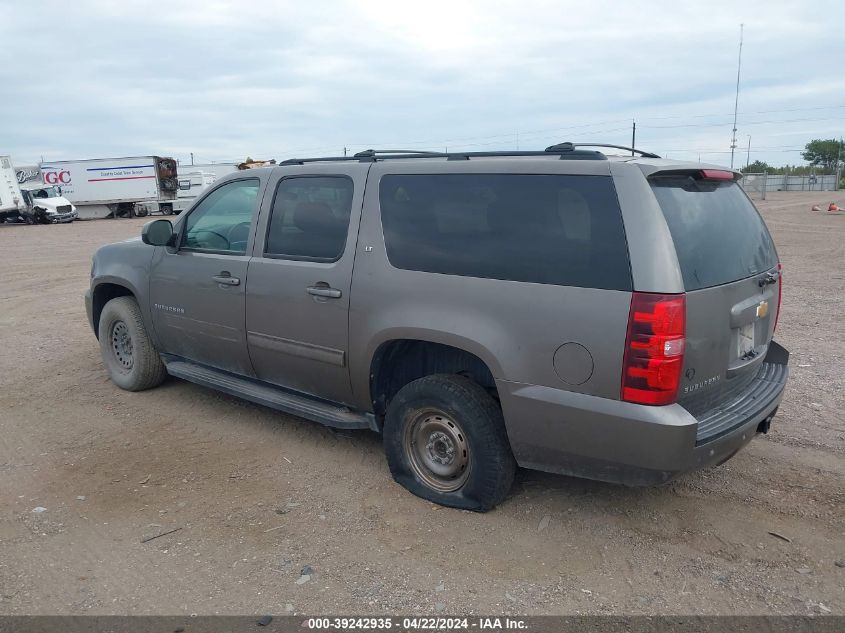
(230, 79)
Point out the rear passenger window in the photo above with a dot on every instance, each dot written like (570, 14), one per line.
(561, 230)
(310, 218)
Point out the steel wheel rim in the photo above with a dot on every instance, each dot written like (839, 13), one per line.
(437, 450)
(121, 345)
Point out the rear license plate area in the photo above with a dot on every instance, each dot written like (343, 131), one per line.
(745, 340)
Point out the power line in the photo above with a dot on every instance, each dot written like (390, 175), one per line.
(684, 125)
(741, 113)
(724, 151)
(540, 134)
(523, 134)
(449, 141)
(581, 129)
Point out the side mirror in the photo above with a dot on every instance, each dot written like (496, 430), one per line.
(158, 233)
(59, 189)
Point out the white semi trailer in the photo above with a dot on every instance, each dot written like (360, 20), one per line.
(218, 170)
(31, 202)
(191, 185)
(44, 204)
(11, 199)
(103, 187)
(194, 179)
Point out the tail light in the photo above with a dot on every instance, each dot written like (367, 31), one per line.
(654, 348)
(780, 295)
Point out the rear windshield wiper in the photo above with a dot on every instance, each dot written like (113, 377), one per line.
(769, 278)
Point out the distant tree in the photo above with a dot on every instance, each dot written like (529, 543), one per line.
(823, 153)
(758, 166)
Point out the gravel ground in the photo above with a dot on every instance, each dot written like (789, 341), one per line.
(256, 495)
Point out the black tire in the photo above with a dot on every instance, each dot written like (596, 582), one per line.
(40, 216)
(130, 358)
(478, 428)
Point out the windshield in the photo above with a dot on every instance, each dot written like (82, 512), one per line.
(46, 192)
(719, 236)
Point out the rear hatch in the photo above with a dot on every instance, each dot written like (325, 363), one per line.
(732, 279)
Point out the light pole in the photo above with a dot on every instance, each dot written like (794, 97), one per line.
(748, 154)
(633, 136)
(736, 100)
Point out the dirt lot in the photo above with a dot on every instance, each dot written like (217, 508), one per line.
(257, 495)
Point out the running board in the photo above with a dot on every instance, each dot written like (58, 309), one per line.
(332, 415)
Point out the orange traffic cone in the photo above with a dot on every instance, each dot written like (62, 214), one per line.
(833, 207)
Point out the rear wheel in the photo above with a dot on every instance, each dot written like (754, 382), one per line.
(445, 441)
(124, 210)
(130, 358)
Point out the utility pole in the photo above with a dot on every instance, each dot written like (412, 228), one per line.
(344, 151)
(736, 100)
(192, 158)
(633, 135)
(748, 154)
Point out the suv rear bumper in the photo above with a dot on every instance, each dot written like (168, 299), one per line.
(586, 436)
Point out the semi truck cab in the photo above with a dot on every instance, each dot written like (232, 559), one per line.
(46, 204)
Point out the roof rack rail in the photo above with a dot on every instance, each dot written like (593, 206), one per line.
(566, 151)
(371, 155)
(367, 153)
(302, 161)
(569, 147)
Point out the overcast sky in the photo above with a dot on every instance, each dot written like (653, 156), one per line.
(279, 79)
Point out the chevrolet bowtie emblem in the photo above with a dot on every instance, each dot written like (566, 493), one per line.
(762, 309)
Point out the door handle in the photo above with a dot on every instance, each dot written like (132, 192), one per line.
(323, 290)
(226, 279)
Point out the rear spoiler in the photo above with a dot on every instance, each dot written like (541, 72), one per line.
(698, 174)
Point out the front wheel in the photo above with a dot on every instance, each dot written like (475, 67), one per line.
(445, 441)
(128, 353)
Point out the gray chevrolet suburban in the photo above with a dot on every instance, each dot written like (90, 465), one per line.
(566, 310)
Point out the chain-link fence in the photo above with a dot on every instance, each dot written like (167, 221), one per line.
(812, 182)
(755, 185)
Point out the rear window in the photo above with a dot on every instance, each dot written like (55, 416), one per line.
(310, 218)
(548, 229)
(719, 236)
